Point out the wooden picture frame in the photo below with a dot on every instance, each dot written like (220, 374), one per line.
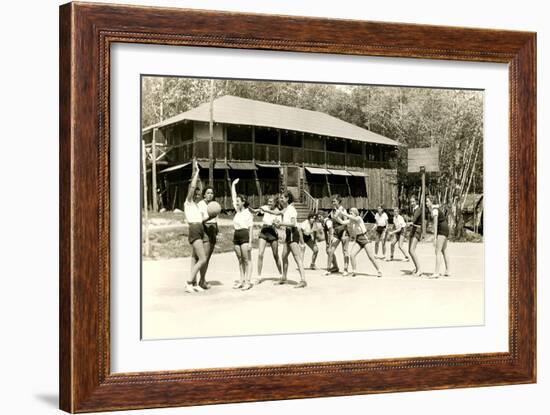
(86, 33)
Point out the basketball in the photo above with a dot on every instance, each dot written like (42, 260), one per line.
(213, 209)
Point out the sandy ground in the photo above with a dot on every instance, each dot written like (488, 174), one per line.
(333, 303)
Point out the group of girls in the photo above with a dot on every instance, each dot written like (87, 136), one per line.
(280, 215)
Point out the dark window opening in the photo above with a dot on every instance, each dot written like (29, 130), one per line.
(239, 133)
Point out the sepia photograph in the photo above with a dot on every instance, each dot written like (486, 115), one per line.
(276, 207)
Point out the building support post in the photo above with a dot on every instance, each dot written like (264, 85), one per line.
(145, 213)
(423, 200)
(211, 138)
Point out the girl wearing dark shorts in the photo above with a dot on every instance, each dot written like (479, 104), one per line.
(398, 233)
(415, 235)
(381, 219)
(362, 242)
(196, 235)
(308, 238)
(210, 233)
(242, 222)
(441, 235)
(268, 235)
(292, 239)
(340, 234)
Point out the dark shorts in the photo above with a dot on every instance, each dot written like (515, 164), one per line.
(308, 239)
(362, 240)
(340, 232)
(380, 230)
(292, 235)
(241, 236)
(398, 234)
(416, 232)
(443, 230)
(196, 231)
(211, 233)
(268, 233)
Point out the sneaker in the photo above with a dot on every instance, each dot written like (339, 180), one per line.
(327, 273)
(379, 274)
(345, 273)
(447, 274)
(280, 281)
(416, 274)
(198, 288)
(353, 274)
(246, 286)
(204, 285)
(435, 275)
(301, 284)
(256, 281)
(189, 288)
(334, 270)
(407, 259)
(312, 266)
(238, 285)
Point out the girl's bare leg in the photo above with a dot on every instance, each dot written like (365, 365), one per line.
(370, 254)
(446, 257)
(355, 249)
(295, 249)
(400, 245)
(261, 249)
(330, 255)
(239, 254)
(412, 252)
(383, 240)
(392, 246)
(286, 252)
(275, 250)
(247, 261)
(376, 243)
(208, 251)
(198, 250)
(345, 252)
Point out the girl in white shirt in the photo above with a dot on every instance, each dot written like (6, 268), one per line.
(290, 222)
(399, 233)
(196, 235)
(308, 238)
(268, 235)
(359, 231)
(381, 219)
(242, 238)
(210, 231)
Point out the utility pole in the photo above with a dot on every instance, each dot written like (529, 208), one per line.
(423, 200)
(154, 170)
(211, 141)
(145, 215)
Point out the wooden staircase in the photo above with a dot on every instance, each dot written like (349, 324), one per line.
(303, 211)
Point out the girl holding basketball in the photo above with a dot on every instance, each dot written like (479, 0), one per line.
(292, 239)
(268, 235)
(211, 232)
(362, 242)
(242, 238)
(340, 234)
(441, 235)
(415, 234)
(196, 231)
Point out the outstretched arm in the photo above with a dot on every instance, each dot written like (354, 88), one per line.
(193, 184)
(234, 192)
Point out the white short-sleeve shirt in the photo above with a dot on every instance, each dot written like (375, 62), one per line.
(381, 220)
(268, 217)
(306, 227)
(399, 222)
(243, 219)
(290, 215)
(358, 225)
(192, 212)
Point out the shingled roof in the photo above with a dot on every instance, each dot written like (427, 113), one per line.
(229, 109)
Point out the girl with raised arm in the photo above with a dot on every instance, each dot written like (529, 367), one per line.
(362, 242)
(292, 239)
(242, 238)
(196, 235)
(441, 235)
(268, 235)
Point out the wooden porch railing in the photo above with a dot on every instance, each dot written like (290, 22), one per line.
(311, 203)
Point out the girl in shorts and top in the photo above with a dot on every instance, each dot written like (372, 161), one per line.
(210, 230)
(196, 236)
(415, 234)
(359, 230)
(242, 222)
(441, 235)
(398, 233)
(308, 238)
(268, 234)
(340, 234)
(328, 231)
(292, 238)
(381, 219)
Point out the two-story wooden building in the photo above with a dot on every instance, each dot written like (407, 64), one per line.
(272, 147)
